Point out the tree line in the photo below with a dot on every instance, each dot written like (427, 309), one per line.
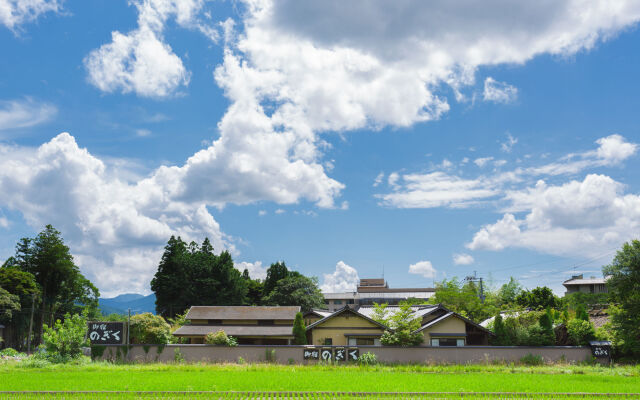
(39, 284)
(190, 274)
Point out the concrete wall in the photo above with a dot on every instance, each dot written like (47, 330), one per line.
(285, 354)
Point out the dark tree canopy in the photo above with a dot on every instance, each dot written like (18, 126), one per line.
(275, 273)
(296, 290)
(255, 289)
(61, 288)
(624, 290)
(299, 331)
(190, 275)
(539, 298)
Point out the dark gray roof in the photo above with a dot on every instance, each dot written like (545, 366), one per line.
(236, 330)
(243, 312)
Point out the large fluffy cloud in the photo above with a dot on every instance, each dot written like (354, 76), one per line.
(140, 61)
(577, 218)
(424, 268)
(343, 279)
(115, 227)
(14, 13)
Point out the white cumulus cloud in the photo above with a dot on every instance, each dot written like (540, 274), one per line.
(14, 13)
(343, 279)
(140, 61)
(424, 268)
(256, 270)
(463, 259)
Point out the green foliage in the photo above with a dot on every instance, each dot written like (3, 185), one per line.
(464, 299)
(147, 328)
(9, 352)
(531, 359)
(580, 332)
(178, 357)
(538, 299)
(509, 292)
(501, 338)
(581, 313)
(255, 289)
(65, 340)
(296, 290)
(402, 325)
(212, 279)
(270, 355)
(63, 289)
(624, 289)
(368, 358)
(299, 331)
(276, 272)
(220, 338)
(97, 351)
(586, 300)
(9, 304)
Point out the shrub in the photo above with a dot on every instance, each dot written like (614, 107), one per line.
(580, 332)
(530, 359)
(299, 331)
(150, 329)
(220, 338)
(177, 356)
(65, 340)
(270, 355)
(368, 358)
(9, 352)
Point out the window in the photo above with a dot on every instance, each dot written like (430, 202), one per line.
(447, 342)
(337, 302)
(266, 322)
(214, 321)
(328, 341)
(364, 341)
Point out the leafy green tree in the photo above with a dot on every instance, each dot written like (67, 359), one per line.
(402, 326)
(299, 331)
(463, 298)
(580, 332)
(194, 275)
(276, 272)
(546, 323)
(220, 338)
(63, 289)
(147, 328)
(64, 341)
(538, 298)
(624, 289)
(255, 289)
(509, 292)
(296, 290)
(9, 304)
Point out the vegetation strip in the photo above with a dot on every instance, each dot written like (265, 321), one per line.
(307, 394)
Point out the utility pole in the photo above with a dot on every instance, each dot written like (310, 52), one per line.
(128, 326)
(33, 301)
(476, 279)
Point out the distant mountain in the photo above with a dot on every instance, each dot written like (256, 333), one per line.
(136, 302)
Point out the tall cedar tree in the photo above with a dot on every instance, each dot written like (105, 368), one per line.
(275, 273)
(63, 288)
(255, 289)
(500, 338)
(190, 275)
(624, 288)
(299, 331)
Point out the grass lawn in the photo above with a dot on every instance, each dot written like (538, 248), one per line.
(265, 377)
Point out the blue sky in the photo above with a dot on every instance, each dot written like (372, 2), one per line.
(428, 140)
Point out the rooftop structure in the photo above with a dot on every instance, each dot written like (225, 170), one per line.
(578, 283)
(371, 291)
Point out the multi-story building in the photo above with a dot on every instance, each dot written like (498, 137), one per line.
(371, 291)
(578, 283)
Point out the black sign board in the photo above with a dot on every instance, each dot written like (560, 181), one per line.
(311, 354)
(600, 348)
(326, 354)
(340, 354)
(353, 354)
(106, 332)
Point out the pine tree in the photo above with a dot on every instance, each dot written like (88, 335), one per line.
(299, 331)
(500, 332)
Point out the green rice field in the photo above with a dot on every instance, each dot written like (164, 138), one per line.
(266, 381)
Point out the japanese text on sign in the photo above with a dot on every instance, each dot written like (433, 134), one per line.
(106, 332)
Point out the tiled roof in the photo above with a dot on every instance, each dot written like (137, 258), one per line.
(243, 312)
(235, 330)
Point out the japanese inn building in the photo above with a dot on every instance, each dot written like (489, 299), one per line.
(351, 325)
